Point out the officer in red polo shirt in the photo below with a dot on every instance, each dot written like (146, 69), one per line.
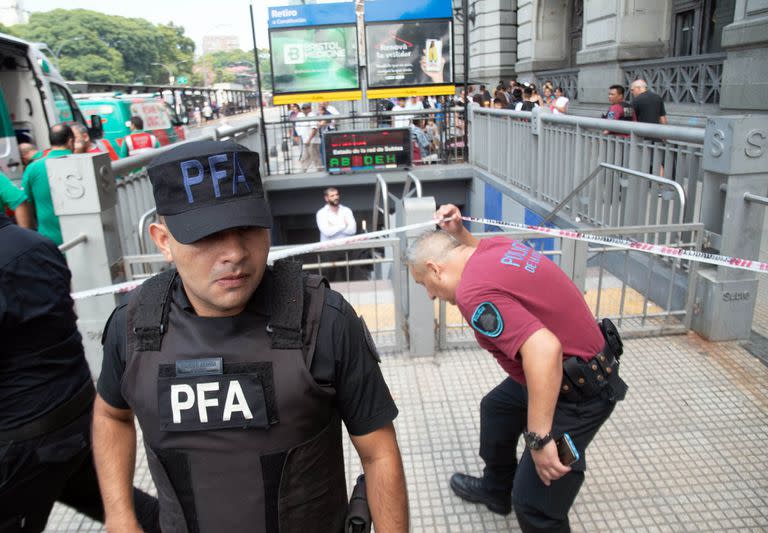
(562, 367)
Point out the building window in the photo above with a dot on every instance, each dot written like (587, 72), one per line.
(575, 24)
(698, 25)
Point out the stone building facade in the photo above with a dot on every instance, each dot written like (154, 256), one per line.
(702, 56)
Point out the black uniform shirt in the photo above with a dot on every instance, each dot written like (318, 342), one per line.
(343, 358)
(649, 107)
(41, 353)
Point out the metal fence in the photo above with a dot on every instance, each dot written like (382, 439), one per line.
(682, 80)
(437, 135)
(547, 156)
(568, 79)
(370, 276)
(643, 295)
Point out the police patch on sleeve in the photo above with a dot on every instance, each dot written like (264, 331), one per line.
(487, 320)
(369, 341)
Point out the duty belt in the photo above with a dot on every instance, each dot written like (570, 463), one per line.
(598, 376)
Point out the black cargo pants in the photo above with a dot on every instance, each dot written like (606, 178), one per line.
(503, 414)
(58, 466)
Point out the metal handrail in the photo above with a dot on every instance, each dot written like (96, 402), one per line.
(142, 223)
(651, 177)
(570, 195)
(360, 116)
(749, 197)
(382, 192)
(63, 247)
(659, 131)
(133, 162)
(411, 179)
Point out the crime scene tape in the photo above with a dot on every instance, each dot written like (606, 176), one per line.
(639, 246)
(656, 249)
(271, 258)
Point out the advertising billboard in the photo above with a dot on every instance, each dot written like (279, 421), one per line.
(409, 53)
(355, 151)
(313, 49)
(409, 47)
(314, 59)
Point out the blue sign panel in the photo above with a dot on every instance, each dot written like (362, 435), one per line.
(312, 15)
(388, 10)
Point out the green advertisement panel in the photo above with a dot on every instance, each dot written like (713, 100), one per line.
(314, 59)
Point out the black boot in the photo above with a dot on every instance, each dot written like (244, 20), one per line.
(474, 490)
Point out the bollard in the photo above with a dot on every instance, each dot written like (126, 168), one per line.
(84, 199)
(734, 155)
(421, 310)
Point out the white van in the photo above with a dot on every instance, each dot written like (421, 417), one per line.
(34, 98)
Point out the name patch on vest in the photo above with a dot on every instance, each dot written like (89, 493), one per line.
(210, 366)
(200, 403)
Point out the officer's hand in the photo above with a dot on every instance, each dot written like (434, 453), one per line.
(548, 464)
(448, 217)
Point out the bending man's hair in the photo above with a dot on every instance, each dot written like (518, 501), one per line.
(432, 245)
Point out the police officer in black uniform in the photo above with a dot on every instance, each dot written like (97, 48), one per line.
(239, 374)
(46, 391)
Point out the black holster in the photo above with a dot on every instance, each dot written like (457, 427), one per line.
(358, 514)
(598, 376)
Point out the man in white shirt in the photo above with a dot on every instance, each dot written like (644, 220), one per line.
(335, 221)
(310, 140)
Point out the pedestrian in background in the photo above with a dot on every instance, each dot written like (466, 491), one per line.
(36, 185)
(562, 368)
(560, 105)
(648, 106)
(310, 141)
(28, 153)
(85, 145)
(335, 221)
(138, 141)
(14, 201)
(619, 108)
(46, 392)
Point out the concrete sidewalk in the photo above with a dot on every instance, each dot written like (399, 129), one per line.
(684, 452)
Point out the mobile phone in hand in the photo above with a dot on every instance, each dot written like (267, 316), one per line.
(566, 450)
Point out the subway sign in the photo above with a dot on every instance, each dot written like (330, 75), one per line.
(369, 150)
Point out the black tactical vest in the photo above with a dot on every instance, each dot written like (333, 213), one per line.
(239, 436)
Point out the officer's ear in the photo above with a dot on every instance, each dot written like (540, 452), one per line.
(161, 236)
(434, 268)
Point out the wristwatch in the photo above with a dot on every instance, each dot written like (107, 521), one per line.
(535, 441)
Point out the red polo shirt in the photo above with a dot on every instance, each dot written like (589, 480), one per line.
(509, 291)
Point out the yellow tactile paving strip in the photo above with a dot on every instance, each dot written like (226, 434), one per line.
(381, 317)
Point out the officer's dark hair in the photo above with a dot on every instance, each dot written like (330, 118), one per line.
(517, 93)
(618, 88)
(60, 135)
(528, 91)
(137, 122)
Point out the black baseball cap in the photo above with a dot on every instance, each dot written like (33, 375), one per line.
(204, 187)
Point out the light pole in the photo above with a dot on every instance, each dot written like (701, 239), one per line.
(171, 79)
(61, 45)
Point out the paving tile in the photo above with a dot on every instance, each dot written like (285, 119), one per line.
(683, 452)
